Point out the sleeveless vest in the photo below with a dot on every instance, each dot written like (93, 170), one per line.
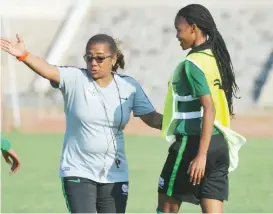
(205, 61)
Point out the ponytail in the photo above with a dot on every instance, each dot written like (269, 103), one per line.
(225, 67)
(120, 63)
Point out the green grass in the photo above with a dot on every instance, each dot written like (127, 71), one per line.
(37, 188)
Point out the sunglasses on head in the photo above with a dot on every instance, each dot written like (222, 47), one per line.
(99, 59)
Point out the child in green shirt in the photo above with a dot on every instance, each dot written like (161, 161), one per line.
(10, 155)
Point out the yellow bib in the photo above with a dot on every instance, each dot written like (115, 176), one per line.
(205, 61)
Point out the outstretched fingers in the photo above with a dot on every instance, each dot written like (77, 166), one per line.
(5, 39)
(4, 45)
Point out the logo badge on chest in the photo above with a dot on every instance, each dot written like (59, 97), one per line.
(91, 92)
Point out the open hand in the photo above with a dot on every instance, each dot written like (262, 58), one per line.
(12, 158)
(196, 169)
(13, 47)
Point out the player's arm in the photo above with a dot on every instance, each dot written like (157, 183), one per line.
(10, 155)
(153, 119)
(199, 88)
(17, 48)
(208, 123)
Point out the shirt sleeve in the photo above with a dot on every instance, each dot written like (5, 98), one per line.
(5, 144)
(68, 77)
(141, 103)
(198, 82)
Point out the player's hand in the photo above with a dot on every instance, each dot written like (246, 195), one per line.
(13, 47)
(12, 158)
(197, 168)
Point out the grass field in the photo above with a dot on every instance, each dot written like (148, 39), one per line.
(36, 188)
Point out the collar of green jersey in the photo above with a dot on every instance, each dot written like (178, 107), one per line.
(200, 48)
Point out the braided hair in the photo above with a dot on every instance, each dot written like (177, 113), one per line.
(113, 46)
(199, 15)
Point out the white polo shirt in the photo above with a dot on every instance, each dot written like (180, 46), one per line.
(91, 135)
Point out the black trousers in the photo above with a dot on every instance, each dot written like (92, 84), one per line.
(86, 196)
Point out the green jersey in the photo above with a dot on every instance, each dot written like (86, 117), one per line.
(182, 87)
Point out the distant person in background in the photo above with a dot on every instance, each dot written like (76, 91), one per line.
(262, 77)
(97, 103)
(10, 155)
(196, 118)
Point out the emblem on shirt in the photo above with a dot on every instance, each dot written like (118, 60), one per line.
(218, 83)
(91, 92)
(161, 183)
(65, 168)
(125, 189)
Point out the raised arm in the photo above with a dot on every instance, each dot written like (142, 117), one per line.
(17, 48)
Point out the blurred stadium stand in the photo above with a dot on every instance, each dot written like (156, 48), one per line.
(148, 42)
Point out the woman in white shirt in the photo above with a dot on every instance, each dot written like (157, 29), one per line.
(97, 104)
